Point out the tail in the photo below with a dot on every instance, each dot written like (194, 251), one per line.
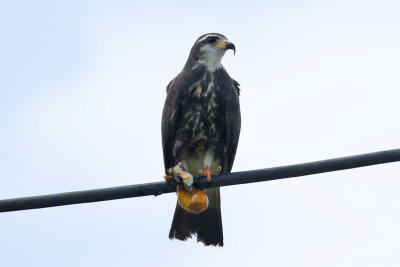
(206, 225)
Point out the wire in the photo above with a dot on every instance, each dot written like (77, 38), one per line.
(158, 188)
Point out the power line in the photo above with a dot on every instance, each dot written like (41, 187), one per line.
(158, 188)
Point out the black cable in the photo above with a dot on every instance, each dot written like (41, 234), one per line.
(158, 188)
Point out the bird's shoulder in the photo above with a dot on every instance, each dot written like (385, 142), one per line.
(185, 79)
(227, 81)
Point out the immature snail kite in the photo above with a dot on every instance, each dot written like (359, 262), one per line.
(200, 133)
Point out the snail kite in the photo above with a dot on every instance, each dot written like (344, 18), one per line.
(200, 133)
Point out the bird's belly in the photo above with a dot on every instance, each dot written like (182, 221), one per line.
(199, 138)
(201, 128)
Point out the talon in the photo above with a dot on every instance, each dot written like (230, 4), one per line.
(168, 177)
(208, 174)
(218, 170)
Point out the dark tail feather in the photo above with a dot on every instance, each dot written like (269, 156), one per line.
(209, 222)
(183, 224)
(206, 225)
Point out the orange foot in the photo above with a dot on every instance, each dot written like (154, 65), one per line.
(193, 202)
(207, 172)
(169, 176)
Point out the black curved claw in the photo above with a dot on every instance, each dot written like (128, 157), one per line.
(219, 170)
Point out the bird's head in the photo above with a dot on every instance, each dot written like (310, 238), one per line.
(209, 49)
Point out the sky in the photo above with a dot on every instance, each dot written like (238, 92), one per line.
(82, 86)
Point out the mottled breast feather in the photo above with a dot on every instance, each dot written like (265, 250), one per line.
(201, 111)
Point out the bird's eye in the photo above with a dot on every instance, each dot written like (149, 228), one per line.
(211, 39)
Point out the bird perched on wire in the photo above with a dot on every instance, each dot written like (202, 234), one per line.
(200, 134)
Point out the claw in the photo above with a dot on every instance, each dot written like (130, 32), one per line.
(218, 171)
(169, 176)
(208, 174)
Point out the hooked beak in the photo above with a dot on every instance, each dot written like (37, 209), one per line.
(225, 45)
(230, 45)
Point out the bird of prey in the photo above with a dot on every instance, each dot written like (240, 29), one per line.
(200, 134)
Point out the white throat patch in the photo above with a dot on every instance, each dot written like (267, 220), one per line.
(211, 57)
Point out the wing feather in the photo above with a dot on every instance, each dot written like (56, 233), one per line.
(233, 123)
(169, 115)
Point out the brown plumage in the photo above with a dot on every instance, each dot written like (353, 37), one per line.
(201, 126)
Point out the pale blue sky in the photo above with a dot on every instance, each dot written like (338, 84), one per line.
(82, 85)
